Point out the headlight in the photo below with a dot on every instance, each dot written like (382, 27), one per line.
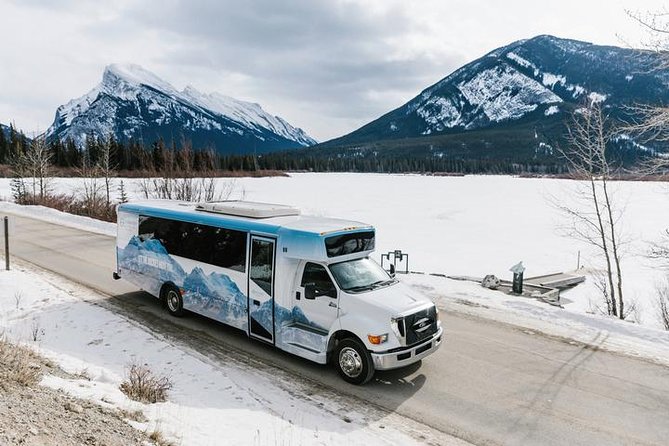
(397, 324)
(377, 339)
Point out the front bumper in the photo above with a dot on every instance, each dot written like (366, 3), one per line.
(409, 355)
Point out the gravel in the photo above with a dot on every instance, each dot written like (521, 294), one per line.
(36, 415)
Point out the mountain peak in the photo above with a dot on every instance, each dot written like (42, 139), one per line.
(134, 75)
(132, 102)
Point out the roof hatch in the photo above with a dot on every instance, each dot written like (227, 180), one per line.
(248, 209)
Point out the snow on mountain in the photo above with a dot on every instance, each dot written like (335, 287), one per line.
(248, 113)
(133, 103)
(503, 93)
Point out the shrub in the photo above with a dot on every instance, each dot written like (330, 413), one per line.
(87, 205)
(143, 386)
(18, 364)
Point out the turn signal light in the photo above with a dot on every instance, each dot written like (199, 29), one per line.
(377, 339)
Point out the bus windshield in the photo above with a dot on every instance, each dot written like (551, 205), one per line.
(360, 275)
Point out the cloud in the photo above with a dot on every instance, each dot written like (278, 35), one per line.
(323, 57)
(328, 66)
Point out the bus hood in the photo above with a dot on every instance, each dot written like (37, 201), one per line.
(397, 299)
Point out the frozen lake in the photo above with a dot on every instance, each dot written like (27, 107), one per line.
(472, 225)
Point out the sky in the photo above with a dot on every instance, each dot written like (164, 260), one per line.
(328, 67)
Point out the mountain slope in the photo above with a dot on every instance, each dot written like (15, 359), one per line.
(525, 88)
(133, 103)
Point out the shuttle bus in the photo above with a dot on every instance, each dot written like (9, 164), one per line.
(304, 284)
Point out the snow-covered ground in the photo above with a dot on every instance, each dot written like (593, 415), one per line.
(596, 330)
(209, 403)
(455, 225)
(472, 225)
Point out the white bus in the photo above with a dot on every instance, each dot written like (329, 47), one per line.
(304, 284)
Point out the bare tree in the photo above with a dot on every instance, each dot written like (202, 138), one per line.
(595, 219)
(650, 122)
(656, 27)
(37, 161)
(30, 170)
(107, 168)
(180, 178)
(663, 306)
(91, 189)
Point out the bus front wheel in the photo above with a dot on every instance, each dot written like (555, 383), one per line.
(353, 361)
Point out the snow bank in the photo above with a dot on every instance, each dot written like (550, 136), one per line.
(596, 330)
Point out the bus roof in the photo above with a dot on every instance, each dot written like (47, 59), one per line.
(287, 218)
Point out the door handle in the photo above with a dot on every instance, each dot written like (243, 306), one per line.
(332, 304)
(256, 303)
(297, 295)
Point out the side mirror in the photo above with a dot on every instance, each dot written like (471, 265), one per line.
(310, 291)
(392, 270)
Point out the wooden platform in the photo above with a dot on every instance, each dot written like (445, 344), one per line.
(561, 281)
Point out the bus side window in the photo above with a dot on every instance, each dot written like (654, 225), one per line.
(147, 227)
(208, 244)
(229, 249)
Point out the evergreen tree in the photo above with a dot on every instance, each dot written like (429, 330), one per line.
(158, 154)
(3, 147)
(73, 156)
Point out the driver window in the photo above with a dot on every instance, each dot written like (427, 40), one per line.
(318, 275)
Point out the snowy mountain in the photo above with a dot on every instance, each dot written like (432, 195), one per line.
(519, 94)
(133, 103)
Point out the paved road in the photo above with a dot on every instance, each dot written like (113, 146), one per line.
(489, 383)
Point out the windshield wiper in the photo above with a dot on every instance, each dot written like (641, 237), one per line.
(378, 283)
(360, 288)
(371, 286)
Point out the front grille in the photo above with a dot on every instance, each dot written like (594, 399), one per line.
(420, 325)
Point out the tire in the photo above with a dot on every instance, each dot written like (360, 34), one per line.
(173, 301)
(353, 361)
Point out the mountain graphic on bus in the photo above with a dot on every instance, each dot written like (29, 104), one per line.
(149, 257)
(282, 317)
(216, 296)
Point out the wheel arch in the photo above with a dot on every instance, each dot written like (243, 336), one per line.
(338, 336)
(165, 286)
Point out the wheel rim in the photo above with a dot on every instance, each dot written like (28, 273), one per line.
(173, 300)
(350, 362)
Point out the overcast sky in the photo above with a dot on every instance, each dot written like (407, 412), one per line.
(325, 66)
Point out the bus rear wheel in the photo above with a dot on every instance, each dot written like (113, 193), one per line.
(173, 300)
(353, 361)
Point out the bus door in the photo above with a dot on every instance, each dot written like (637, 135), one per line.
(261, 288)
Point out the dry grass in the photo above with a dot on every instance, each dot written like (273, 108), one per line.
(18, 364)
(143, 386)
(159, 439)
(134, 415)
(72, 204)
